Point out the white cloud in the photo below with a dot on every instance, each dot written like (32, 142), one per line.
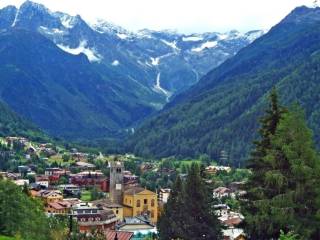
(184, 15)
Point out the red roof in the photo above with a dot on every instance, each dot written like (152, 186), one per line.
(121, 235)
(56, 206)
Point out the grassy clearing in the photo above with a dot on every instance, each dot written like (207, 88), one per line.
(7, 238)
(85, 196)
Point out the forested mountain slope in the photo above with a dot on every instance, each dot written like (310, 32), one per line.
(220, 112)
(79, 80)
(13, 125)
(62, 93)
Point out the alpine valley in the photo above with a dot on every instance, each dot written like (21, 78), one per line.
(77, 80)
(109, 134)
(221, 112)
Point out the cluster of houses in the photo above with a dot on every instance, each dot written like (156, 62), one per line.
(126, 209)
(228, 217)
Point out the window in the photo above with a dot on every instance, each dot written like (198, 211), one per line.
(145, 201)
(152, 214)
(152, 202)
(138, 203)
(117, 211)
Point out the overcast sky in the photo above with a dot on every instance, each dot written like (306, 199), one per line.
(186, 16)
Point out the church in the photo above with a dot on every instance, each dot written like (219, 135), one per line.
(131, 201)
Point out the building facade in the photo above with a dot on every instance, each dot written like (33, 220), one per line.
(139, 201)
(116, 181)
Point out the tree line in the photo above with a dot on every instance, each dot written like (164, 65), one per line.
(282, 199)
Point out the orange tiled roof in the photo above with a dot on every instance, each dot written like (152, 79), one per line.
(121, 235)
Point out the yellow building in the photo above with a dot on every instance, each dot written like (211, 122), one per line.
(60, 207)
(50, 196)
(108, 205)
(138, 201)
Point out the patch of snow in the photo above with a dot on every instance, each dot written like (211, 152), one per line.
(103, 26)
(234, 34)
(15, 18)
(144, 33)
(204, 46)
(122, 36)
(253, 35)
(155, 61)
(158, 88)
(223, 36)
(66, 21)
(171, 44)
(148, 64)
(51, 31)
(90, 53)
(115, 63)
(57, 31)
(192, 39)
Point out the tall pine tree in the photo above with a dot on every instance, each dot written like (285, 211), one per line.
(257, 221)
(188, 214)
(169, 224)
(200, 221)
(285, 195)
(294, 178)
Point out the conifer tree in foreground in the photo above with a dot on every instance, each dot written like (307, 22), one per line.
(188, 214)
(201, 222)
(256, 220)
(170, 220)
(285, 195)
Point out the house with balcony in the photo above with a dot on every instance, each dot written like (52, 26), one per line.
(90, 218)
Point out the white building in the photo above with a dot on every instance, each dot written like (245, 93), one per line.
(164, 194)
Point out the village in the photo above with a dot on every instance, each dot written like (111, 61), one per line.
(123, 196)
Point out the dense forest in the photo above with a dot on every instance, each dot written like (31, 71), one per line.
(220, 112)
(13, 125)
(281, 199)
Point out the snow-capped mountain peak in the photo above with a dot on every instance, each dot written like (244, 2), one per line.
(161, 61)
(104, 26)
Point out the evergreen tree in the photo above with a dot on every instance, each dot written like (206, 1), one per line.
(169, 222)
(189, 214)
(269, 123)
(256, 222)
(290, 184)
(200, 221)
(294, 178)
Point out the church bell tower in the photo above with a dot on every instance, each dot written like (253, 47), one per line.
(116, 181)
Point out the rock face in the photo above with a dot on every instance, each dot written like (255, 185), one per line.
(181, 59)
(119, 76)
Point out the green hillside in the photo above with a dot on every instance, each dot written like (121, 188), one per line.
(65, 94)
(220, 112)
(13, 125)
